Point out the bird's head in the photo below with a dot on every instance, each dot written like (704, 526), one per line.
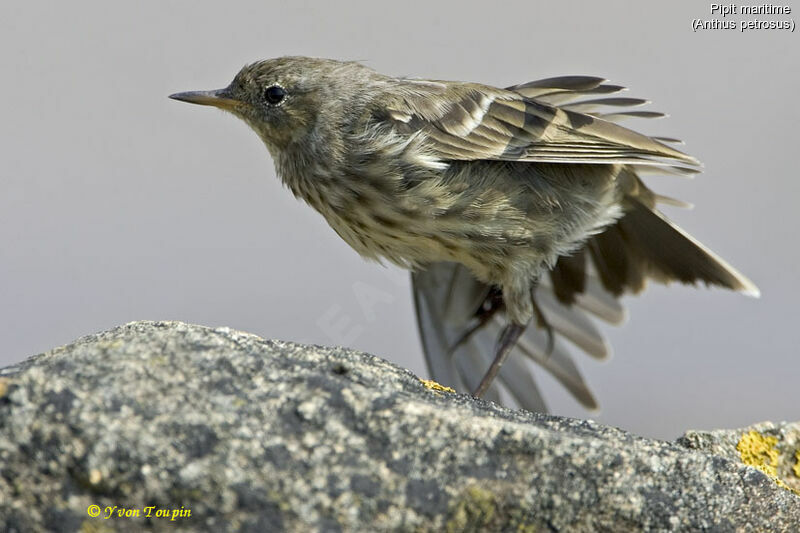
(282, 98)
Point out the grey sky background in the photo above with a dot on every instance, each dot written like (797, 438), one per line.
(117, 204)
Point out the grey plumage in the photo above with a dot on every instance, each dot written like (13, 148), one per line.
(482, 192)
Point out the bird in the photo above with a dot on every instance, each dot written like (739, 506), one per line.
(521, 211)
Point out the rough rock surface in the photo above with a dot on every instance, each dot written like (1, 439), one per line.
(257, 435)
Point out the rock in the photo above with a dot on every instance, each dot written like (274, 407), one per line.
(772, 448)
(224, 431)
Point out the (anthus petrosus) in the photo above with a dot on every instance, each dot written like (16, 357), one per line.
(524, 202)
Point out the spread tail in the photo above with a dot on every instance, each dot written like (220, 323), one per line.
(644, 244)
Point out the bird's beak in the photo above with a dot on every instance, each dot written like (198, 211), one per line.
(221, 98)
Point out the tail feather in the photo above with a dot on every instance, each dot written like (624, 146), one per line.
(662, 251)
(569, 276)
(619, 269)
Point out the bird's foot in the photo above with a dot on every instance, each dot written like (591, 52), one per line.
(484, 314)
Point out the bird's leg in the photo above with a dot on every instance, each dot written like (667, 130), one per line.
(508, 338)
(483, 318)
(506, 342)
(490, 306)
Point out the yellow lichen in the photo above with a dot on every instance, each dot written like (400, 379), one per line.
(796, 468)
(478, 509)
(474, 511)
(432, 385)
(759, 451)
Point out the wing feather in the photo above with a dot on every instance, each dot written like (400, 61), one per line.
(574, 325)
(670, 140)
(524, 123)
(558, 363)
(561, 95)
(589, 105)
(570, 83)
(631, 114)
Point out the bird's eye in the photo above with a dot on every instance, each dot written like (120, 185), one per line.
(274, 95)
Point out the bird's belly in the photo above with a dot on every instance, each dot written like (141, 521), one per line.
(488, 247)
(407, 243)
(490, 230)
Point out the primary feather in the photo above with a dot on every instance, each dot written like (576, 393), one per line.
(472, 122)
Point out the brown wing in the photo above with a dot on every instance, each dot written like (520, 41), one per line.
(462, 121)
